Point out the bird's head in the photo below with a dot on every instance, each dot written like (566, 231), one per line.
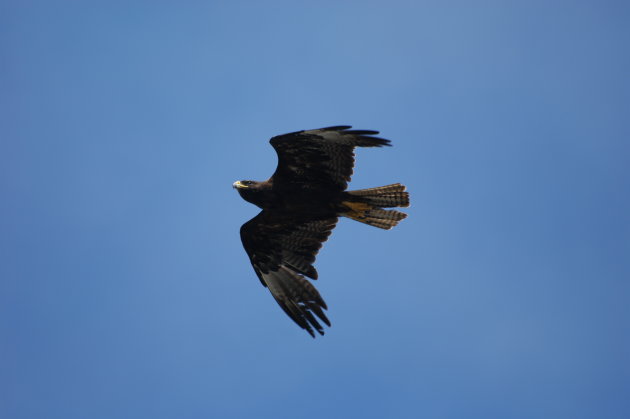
(250, 190)
(244, 184)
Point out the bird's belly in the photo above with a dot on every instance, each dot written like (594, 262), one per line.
(308, 203)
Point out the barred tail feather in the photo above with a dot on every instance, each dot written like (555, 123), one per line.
(377, 217)
(366, 205)
(388, 196)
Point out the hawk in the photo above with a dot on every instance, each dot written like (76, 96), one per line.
(301, 204)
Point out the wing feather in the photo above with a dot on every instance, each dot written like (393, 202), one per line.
(320, 158)
(282, 250)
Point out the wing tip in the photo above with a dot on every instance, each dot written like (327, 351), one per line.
(365, 135)
(363, 138)
(336, 128)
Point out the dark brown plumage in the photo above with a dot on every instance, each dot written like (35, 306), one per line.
(301, 204)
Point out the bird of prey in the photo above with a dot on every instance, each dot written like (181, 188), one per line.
(300, 205)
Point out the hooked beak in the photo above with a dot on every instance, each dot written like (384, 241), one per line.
(238, 184)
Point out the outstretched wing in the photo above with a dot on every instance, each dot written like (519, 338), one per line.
(282, 250)
(320, 158)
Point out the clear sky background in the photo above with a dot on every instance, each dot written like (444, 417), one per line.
(124, 289)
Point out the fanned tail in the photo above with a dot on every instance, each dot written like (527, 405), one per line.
(366, 205)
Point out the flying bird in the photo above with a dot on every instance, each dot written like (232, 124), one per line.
(301, 204)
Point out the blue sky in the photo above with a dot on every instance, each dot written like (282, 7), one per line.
(124, 289)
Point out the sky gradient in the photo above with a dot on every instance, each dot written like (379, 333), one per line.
(124, 288)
